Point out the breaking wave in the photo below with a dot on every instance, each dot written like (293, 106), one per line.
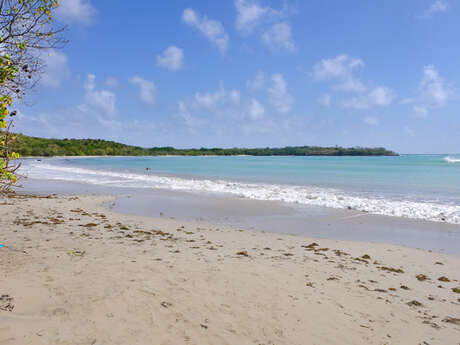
(452, 159)
(305, 195)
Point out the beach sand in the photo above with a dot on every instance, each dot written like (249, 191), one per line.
(74, 272)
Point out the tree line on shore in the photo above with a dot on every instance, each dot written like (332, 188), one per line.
(32, 146)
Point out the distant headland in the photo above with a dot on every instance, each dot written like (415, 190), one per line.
(33, 146)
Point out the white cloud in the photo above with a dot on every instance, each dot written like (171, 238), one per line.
(90, 82)
(433, 88)
(280, 99)
(112, 82)
(381, 96)
(340, 69)
(279, 37)
(351, 85)
(409, 131)
(276, 33)
(371, 121)
(76, 11)
(184, 115)
(93, 117)
(171, 58)
(213, 30)
(439, 6)
(235, 96)
(72, 122)
(147, 89)
(407, 100)
(255, 110)
(102, 102)
(433, 92)
(250, 14)
(212, 100)
(325, 100)
(225, 110)
(378, 97)
(257, 83)
(56, 68)
(420, 111)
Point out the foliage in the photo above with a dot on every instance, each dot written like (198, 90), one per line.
(26, 30)
(31, 146)
(7, 170)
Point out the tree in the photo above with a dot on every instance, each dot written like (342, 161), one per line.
(26, 32)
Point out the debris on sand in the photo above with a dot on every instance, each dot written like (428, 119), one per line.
(453, 320)
(76, 252)
(5, 303)
(414, 303)
(89, 225)
(391, 269)
(361, 260)
(421, 277)
(165, 304)
(310, 246)
(380, 290)
(338, 252)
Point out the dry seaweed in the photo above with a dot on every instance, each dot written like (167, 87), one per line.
(391, 269)
(310, 246)
(414, 303)
(5, 303)
(453, 320)
(361, 260)
(422, 277)
(89, 225)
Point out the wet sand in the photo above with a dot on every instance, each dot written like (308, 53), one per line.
(277, 217)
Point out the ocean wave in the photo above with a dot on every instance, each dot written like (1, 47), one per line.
(327, 197)
(452, 159)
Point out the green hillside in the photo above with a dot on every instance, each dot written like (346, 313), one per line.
(31, 146)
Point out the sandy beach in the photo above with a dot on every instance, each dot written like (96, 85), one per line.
(74, 272)
(243, 172)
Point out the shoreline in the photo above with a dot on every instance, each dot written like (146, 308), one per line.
(271, 216)
(280, 218)
(333, 196)
(76, 272)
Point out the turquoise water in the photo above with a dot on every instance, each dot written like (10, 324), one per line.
(410, 176)
(417, 186)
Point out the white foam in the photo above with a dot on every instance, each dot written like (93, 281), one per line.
(286, 193)
(452, 159)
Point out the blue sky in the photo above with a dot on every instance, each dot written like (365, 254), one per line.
(254, 73)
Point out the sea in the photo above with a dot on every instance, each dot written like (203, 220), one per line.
(413, 186)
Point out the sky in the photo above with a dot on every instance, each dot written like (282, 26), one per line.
(253, 73)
